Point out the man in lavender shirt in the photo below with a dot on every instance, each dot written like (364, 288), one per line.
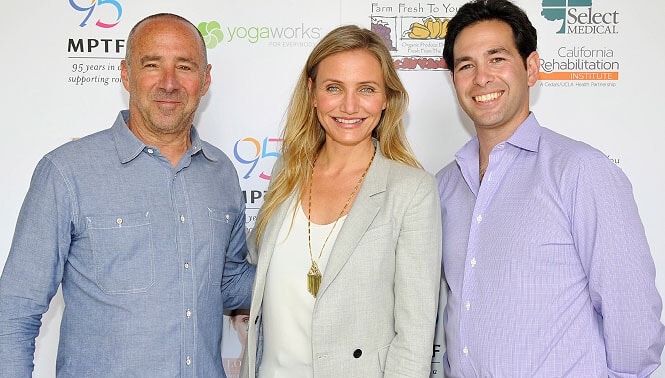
(547, 262)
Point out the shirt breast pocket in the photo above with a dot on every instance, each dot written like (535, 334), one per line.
(122, 252)
(221, 226)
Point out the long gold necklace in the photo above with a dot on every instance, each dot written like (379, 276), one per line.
(314, 274)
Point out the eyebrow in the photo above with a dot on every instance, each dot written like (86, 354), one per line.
(336, 81)
(149, 58)
(492, 51)
(498, 50)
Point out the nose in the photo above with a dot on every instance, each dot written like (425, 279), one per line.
(350, 103)
(483, 75)
(169, 80)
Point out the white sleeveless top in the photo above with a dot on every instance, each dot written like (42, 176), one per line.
(287, 305)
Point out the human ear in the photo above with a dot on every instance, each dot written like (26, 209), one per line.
(532, 68)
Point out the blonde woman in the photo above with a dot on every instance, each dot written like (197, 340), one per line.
(348, 241)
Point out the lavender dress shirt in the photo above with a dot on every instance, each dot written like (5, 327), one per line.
(547, 262)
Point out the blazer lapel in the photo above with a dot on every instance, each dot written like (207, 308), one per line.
(360, 217)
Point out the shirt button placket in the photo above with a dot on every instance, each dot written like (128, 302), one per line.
(184, 246)
(467, 303)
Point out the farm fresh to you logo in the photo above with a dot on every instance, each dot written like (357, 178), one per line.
(286, 36)
(110, 11)
(580, 17)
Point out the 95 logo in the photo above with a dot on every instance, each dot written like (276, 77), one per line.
(111, 7)
(250, 151)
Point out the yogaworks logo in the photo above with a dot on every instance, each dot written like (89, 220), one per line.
(214, 34)
(112, 12)
(579, 17)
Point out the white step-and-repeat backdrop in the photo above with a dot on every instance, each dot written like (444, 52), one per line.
(60, 60)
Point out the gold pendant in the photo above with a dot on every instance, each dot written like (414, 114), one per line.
(313, 279)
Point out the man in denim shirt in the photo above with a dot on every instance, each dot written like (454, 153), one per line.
(142, 223)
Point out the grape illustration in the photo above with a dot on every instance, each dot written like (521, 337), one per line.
(383, 31)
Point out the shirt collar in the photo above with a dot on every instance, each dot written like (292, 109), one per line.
(129, 146)
(527, 135)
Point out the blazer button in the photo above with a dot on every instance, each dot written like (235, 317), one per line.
(357, 353)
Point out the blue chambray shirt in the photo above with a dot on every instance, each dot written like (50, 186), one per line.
(148, 255)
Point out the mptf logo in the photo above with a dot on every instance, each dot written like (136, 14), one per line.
(579, 17)
(250, 151)
(112, 6)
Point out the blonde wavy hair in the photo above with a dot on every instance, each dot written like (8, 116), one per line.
(303, 136)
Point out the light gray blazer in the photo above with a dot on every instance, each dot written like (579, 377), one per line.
(376, 309)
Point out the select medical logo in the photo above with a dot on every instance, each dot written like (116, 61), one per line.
(580, 17)
(581, 65)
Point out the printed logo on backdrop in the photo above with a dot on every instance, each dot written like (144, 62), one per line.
(586, 56)
(254, 160)
(286, 36)
(580, 17)
(413, 31)
(100, 8)
(95, 49)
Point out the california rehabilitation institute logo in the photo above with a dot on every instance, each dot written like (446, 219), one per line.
(580, 64)
(579, 17)
(88, 10)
